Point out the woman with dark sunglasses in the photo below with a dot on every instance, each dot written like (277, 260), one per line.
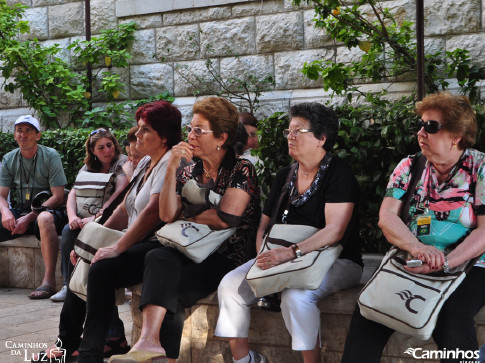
(447, 210)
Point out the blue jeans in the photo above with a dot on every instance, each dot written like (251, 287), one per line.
(67, 245)
(481, 358)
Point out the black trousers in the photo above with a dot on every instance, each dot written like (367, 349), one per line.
(455, 328)
(104, 277)
(169, 279)
(175, 282)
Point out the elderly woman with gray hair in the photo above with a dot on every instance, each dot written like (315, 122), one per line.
(322, 193)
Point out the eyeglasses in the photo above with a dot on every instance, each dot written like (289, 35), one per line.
(96, 131)
(197, 130)
(430, 126)
(295, 132)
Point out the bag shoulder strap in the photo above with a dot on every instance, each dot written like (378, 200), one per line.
(108, 211)
(417, 168)
(284, 192)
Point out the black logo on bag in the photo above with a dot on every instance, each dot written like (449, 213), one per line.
(186, 226)
(408, 296)
(92, 209)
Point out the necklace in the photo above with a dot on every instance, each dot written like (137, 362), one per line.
(27, 176)
(304, 173)
(207, 172)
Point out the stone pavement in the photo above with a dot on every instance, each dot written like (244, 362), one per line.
(27, 323)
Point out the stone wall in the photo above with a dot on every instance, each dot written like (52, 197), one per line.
(265, 37)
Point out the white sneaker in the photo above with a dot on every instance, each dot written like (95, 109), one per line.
(60, 295)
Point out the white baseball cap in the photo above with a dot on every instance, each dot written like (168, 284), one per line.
(27, 119)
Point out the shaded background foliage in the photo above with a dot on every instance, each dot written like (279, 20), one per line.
(374, 135)
(69, 143)
(372, 139)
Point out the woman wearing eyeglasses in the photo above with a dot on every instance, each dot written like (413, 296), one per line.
(448, 203)
(121, 265)
(323, 193)
(172, 282)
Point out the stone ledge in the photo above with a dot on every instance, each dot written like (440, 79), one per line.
(29, 241)
(268, 334)
(21, 263)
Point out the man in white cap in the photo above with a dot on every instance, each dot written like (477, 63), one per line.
(27, 171)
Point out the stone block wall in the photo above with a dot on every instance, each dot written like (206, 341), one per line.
(263, 37)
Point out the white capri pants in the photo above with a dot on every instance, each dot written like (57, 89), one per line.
(298, 306)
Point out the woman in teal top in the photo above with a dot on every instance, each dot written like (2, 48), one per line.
(446, 214)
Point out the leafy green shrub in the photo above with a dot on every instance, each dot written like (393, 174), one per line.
(120, 114)
(372, 139)
(272, 151)
(59, 91)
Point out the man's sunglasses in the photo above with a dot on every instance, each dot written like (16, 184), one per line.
(430, 126)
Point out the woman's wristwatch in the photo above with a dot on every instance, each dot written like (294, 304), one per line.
(296, 250)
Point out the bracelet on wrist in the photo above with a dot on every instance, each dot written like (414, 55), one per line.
(446, 267)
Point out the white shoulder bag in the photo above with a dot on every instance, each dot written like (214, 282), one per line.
(92, 237)
(306, 272)
(195, 240)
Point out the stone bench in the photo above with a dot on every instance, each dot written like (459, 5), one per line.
(21, 263)
(268, 334)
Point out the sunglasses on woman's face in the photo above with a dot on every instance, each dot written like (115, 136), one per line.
(430, 126)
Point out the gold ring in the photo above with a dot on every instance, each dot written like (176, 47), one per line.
(183, 151)
(269, 264)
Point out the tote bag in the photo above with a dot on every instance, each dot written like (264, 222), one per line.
(92, 237)
(408, 302)
(92, 191)
(195, 240)
(306, 272)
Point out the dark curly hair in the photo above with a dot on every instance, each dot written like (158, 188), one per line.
(323, 121)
